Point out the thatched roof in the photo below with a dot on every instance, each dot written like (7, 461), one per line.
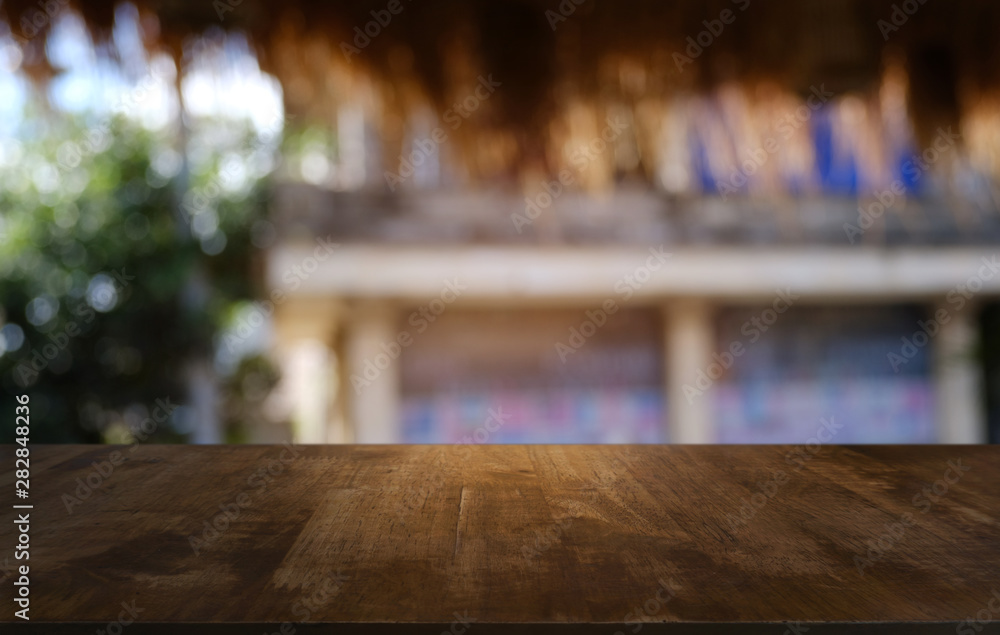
(539, 48)
(551, 54)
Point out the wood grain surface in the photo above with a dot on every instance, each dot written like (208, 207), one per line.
(699, 539)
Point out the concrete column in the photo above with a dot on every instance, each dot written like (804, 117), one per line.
(372, 374)
(308, 372)
(203, 394)
(305, 330)
(689, 342)
(958, 382)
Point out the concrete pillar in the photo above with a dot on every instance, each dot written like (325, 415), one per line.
(372, 374)
(203, 395)
(305, 332)
(689, 342)
(308, 372)
(958, 382)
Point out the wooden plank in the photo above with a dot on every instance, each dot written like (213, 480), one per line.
(710, 539)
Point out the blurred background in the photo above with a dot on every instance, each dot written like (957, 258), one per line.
(575, 221)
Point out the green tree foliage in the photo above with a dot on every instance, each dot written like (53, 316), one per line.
(104, 282)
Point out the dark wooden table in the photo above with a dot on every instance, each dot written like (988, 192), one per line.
(491, 539)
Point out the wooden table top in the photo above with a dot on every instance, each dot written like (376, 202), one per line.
(596, 539)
